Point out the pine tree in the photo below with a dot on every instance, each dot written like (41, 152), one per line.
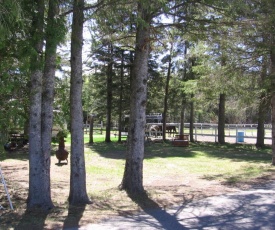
(78, 193)
(39, 182)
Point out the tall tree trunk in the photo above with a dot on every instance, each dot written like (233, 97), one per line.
(39, 177)
(166, 95)
(272, 74)
(181, 131)
(273, 124)
(261, 120)
(183, 95)
(121, 96)
(78, 193)
(191, 128)
(91, 129)
(263, 107)
(48, 89)
(109, 95)
(133, 174)
(221, 121)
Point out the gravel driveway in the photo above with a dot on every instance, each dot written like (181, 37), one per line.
(252, 209)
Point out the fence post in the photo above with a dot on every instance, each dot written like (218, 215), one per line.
(215, 134)
(196, 133)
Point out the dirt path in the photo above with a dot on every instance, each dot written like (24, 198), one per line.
(252, 209)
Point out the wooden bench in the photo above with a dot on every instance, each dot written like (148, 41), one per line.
(181, 140)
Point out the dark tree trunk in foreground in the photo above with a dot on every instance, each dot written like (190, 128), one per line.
(39, 173)
(78, 193)
(221, 121)
(133, 174)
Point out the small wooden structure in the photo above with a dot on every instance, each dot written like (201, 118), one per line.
(181, 140)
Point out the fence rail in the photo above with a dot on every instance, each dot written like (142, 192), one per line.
(237, 131)
(233, 132)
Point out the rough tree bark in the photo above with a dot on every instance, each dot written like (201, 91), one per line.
(39, 176)
(263, 107)
(272, 75)
(48, 87)
(133, 174)
(78, 193)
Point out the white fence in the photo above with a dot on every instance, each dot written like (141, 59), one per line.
(233, 132)
(209, 132)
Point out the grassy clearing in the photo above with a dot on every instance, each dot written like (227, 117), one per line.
(172, 175)
(211, 161)
(226, 164)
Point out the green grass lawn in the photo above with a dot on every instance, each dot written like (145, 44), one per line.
(96, 138)
(227, 163)
(171, 176)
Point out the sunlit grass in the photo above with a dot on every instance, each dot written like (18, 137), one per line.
(96, 138)
(227, 163)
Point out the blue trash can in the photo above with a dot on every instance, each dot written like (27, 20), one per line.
(240, 136)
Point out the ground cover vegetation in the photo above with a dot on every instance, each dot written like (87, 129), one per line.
(192, 61)
(202, 170)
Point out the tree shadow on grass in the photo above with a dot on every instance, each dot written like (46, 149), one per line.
(32, 220)
(163, 218)
(116, 150)
(234, 152)
(75, 214)
(111, 150)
